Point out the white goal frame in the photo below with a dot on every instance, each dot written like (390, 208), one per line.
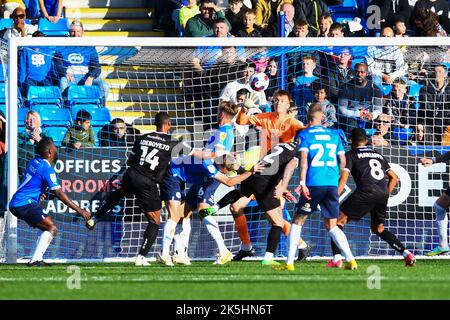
(12, 78)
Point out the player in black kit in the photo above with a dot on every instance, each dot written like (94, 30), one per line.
(370, 171)
(148, 162)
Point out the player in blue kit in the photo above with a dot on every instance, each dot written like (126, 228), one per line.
(322, 161)
(205, 178)
(38, 177)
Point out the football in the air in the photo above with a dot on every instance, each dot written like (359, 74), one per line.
(259, 81)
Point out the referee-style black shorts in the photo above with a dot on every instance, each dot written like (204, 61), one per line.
(143, 188)
(359, 203)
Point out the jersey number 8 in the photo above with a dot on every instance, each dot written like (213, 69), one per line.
(376, 170)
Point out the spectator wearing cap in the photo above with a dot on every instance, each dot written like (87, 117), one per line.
(79, 65)
(202, 24)
(19, 27)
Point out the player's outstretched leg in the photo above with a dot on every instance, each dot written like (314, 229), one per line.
(49, 231)
(275, 217)
(112, 199)
(293, 241)
(336, 262)
(440, 209)
(341, 241)
(150, 234)
(240, 221)
(392, 240)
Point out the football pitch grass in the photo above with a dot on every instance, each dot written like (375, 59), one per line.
(235, 280)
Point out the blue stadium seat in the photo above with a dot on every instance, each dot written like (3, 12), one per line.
(59, 29)
(370, 132)
(56, 133)
(402, 134)
(3, 95)
(100, 116)
(44, 95)
(347, 6)
(53, 115)
(84, 95)
(3, 109)
(6, 23)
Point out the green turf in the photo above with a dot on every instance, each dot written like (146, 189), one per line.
(239, 280)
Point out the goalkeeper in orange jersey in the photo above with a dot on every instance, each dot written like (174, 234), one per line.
(277, 126)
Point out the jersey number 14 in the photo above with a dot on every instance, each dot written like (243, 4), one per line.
(149, 157)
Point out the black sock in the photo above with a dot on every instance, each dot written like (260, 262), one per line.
(150, 235)
(273, 239)
(390, 238)
(334, 246)
(109, 203)
(229, 198)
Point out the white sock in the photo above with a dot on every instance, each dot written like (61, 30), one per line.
(246, 247)
(303, 245)
(42, 245)
(340, 239)
(168, 233)
(337, 257)
(268, 256)
(443, 229)
(185, 235)
(214, 231)
(293, 238)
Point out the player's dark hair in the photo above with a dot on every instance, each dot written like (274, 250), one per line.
(117, 120)
(315, 107)
(282, 93)
(83, 115)
(161, 119)
(43, 146)
(241, 92)
(358, 135)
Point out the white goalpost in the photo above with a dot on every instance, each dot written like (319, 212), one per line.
(146, 75)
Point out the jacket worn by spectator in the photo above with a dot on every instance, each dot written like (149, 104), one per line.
(310, 11)
(387, 60)
(264, 11)
(236, 20)
(402, 111)
(78, 134)
(435, 108)
(395, 9)
(197, 27)
(440, 7)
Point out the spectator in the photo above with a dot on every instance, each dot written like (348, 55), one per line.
(243, 82)
(336, 30)
(51, 9)
(329, 110)
(399, 106)
(301, 29)
(394, 10)
(339, 72)
(249, 29)
(36, 66)
(235, 15)
(359, 101)
(311, 11)
(81, 133)
(400, 28)
(272, 72)
(163, 11)
(427, 24)
(79, 65)
(187, 12)
(202, 25)
(289, 13)
(385, 63)
(383, 136)
(302, 92)
(419, 137)
(440, 7)
(325, 23)
(434, 100)
(115, 134)
(8, 6)
(19, 27)
(267, 15)
(28, 139)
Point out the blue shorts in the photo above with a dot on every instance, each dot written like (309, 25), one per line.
(325, 196)
(202, 193)
(172, 188)
(33, 213)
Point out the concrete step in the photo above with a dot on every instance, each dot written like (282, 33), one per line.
(105, 3)
(147, 106)
(117, 24)
(141, 83)
(124, 34)
(140, 72)
(108, 13)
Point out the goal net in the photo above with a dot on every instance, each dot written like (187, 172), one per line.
(397, 89)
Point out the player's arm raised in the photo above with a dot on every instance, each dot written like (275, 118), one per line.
(393, 179)
(429, 161)
(232, 181)
(68, 202)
